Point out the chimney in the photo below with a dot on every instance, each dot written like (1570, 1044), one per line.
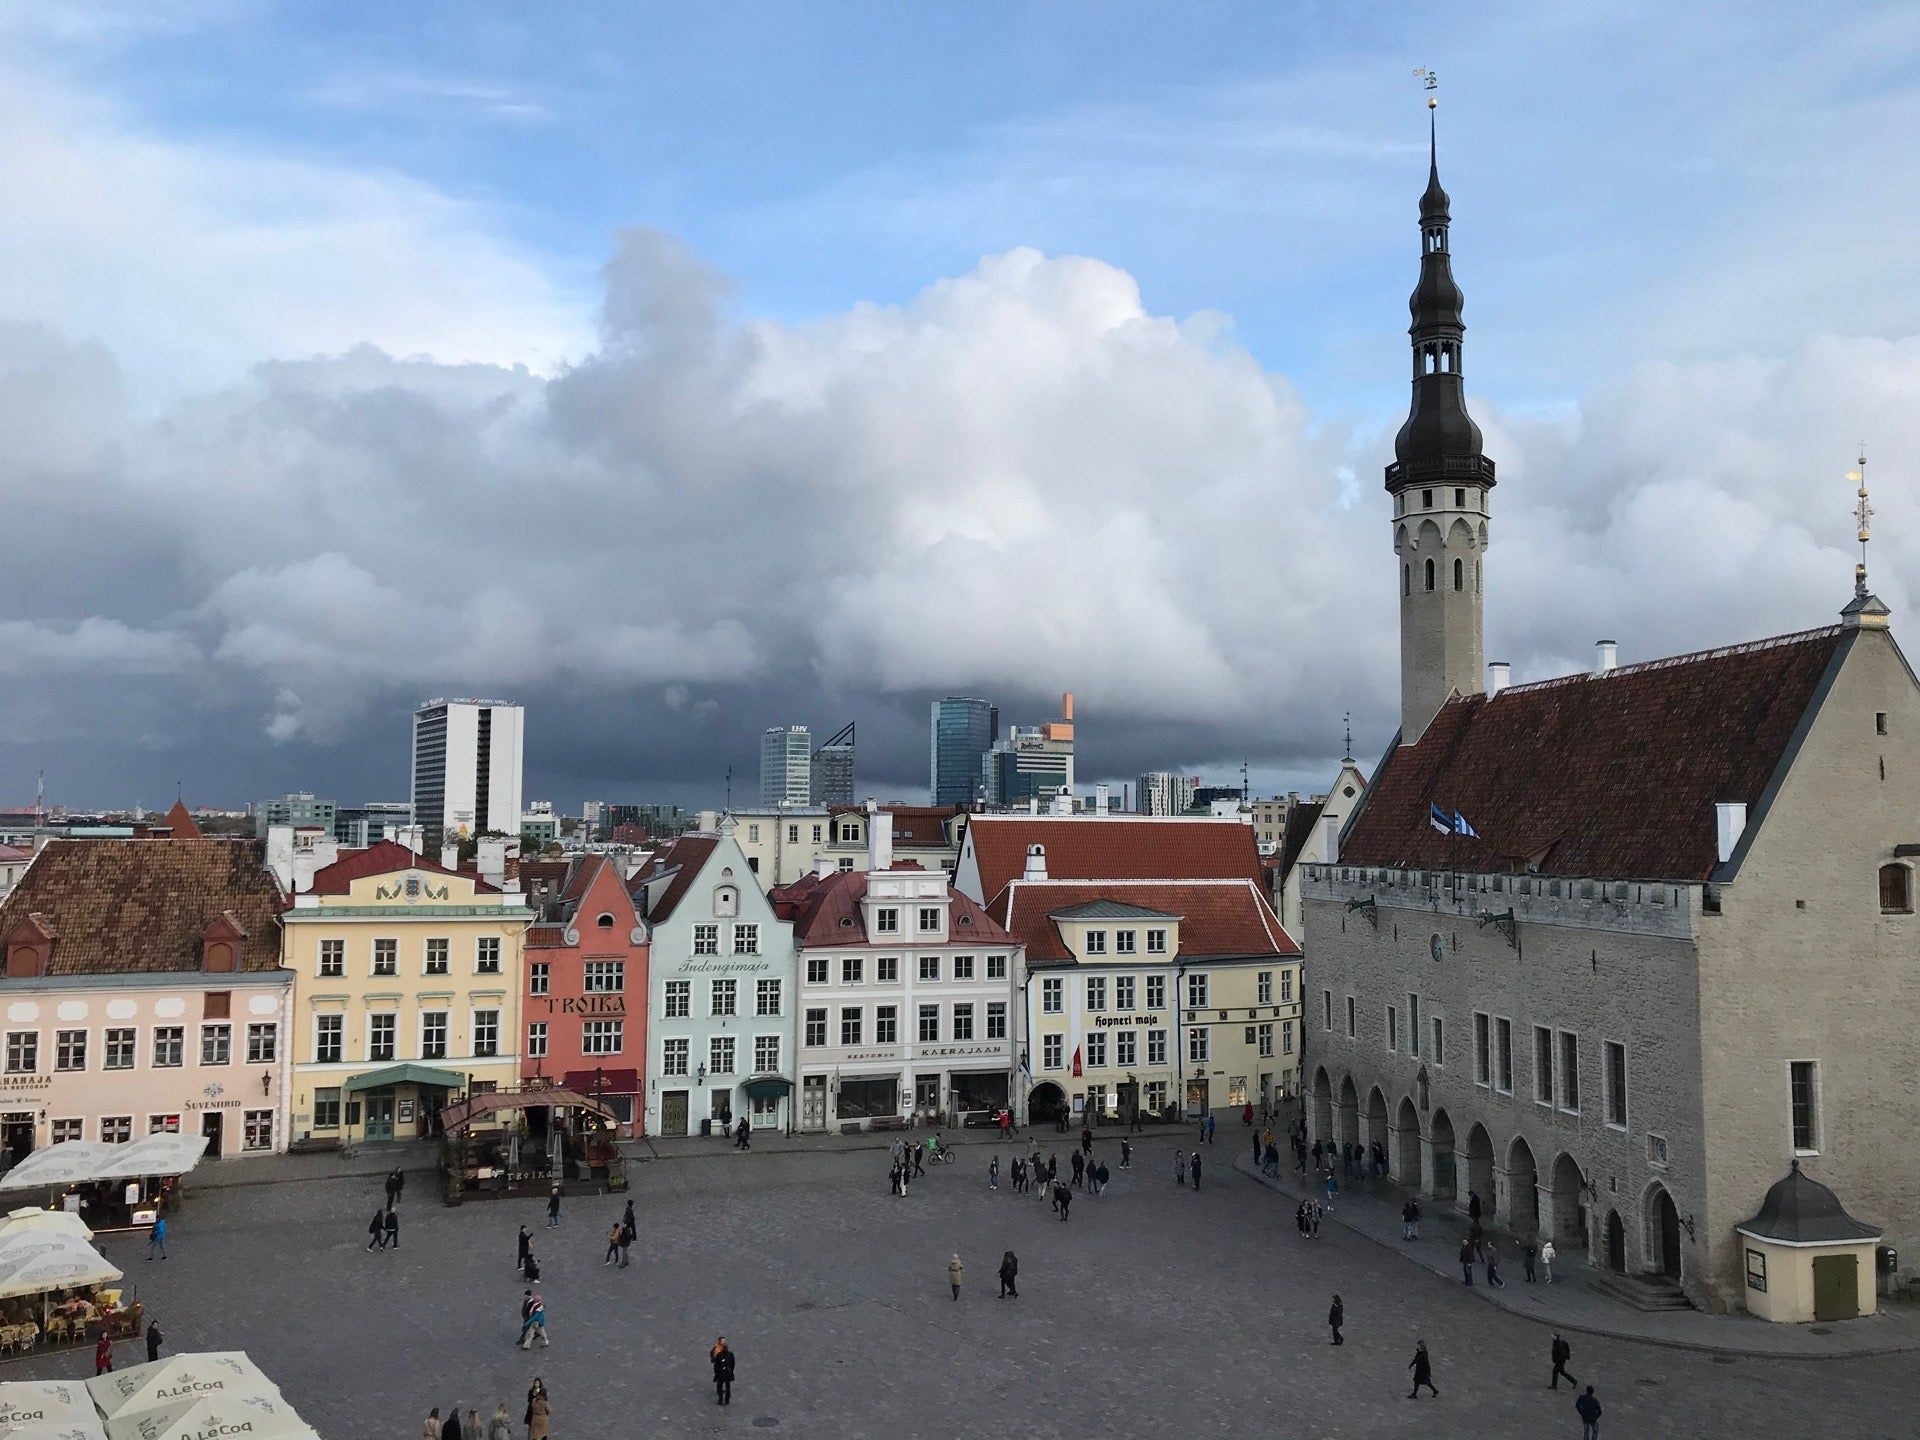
(450, 857)
(1063, 802)
(414, 837)
(1102, 799)
(1036, 863)
(879, 839)
(1033, 805)
(825, 865)
(490, 859)
(1730, 822)
(1499, 676)
(1606, 658)
(1330, 839)
(280, 855)
(1066, 706)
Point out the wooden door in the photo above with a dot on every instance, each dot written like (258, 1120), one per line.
(673, 1113)
(1836, 1287)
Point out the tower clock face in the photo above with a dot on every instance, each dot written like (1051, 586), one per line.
(1438, 947)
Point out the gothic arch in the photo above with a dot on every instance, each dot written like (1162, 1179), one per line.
(1349, 1112)
(1427, 537)
(1523, 1188)
(1322, 1105)
(1406, 1146)
(1460, 536)
(1445, 1184)
(1378, 1132)
(1480, 1165)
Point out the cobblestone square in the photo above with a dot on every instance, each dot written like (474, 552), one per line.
(1153, 1311)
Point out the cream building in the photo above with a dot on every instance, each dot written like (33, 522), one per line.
(407, 983)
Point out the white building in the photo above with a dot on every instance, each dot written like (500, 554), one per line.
(786, 766)
(467, 767)
(1161, 792)
(907, 995)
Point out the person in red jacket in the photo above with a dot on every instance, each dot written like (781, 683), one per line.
(103, 1355)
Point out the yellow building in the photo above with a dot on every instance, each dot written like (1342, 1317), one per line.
(407, 980)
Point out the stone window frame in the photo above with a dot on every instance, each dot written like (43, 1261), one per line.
(1625, 1122)
(1818, 1106)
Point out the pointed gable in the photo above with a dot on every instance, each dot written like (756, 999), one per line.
(180, 824)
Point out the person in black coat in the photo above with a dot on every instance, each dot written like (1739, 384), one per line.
(1587, 1407)
(154, 1341)
(1009, 1272)
(1194, 1166)
(523, 1249)
(1336, 1317)
(1561, 1353)
(391, 1224)
(723, 1367)
(1422, 1367)
(377, 1230)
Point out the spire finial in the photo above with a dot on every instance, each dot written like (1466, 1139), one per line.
(1863, 517)
(1347, 720)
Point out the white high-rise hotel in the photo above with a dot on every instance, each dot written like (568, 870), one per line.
(466, 767)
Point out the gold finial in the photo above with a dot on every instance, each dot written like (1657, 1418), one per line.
(1863, 518)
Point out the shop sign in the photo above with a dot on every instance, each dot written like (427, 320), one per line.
(1102, 1021)
(25, 1082)
(587, 1005)
(927, 1052)
(725, 965)
(211, 1105)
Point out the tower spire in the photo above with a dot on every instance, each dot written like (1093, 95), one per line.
(1866, 610)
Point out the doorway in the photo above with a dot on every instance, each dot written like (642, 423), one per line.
(813, 1103)
(1045, 1103)
(379, 1115)
(1836, 1287)
(1666, 1234)
(673, 1113)
(1197, 1105)
(1616, 1243)
(211, 1125)
(16, 1131)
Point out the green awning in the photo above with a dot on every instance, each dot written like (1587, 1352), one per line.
(767, 1087)
(407, 1074)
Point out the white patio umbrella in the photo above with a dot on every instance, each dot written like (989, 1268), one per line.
(34, 1262)
(175, 1381)
(31, 1218)
(30, 1403)
(258, 1417)
(62, 1164)
(161, 1154)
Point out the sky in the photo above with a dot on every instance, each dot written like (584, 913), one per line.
(681, 371)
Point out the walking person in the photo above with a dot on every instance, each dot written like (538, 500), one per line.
(1587, 1407)
(1065, 1197)
(1211, 1124)
(500, 1424)
(1194, 1165)
(740, 1135)
(450, 1427)
(527, 1301)
(1493, 1269)
(1561, 1352)
(993, 1173)
(158, 1239)
(396, 1182)
(523, 1248)
(1079, 1168)
(1527, 1253)
(539, 1412)
(1466, 1261)
(1332, 1186)
(376, 1230)
(472, 1424)
(103, 1355)
(1126, 1154)
(919, 1160)
(1410, 1220)
(613, 1243)
(154, 1341)
(1314, 1216)
(1422, 1367)
(390, 1225)
(553, 1208)
(430, 1427)
(1473, 1205)
(1336, 1317)
(1009, 1273)
(1546, 1262)
(1100, 1175)
(1179, 1167)
(723, 1366)
(955, 1272)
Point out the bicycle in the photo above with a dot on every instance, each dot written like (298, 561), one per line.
(940, 1155)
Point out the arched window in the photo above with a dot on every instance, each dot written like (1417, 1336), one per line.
(1459, 574)
(1406, 579)
(1429, 575)
(1896, 890)
(605, 922)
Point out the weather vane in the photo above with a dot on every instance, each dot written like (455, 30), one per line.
(1863, 517)
(1430, 82)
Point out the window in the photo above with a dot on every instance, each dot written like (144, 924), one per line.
(1413, 1024)
(963, 967)
(1156, 992)
(605, 922)
(1052, 1050)
(119, 1050)
(1123, 992)
(1482, 1050)
(817, 1027)
(1879, 722)
(1126, 1048)
(996, 1020)
(851, 1024)
(116, 1129)
(1096, 942)
(793, 834)
(746, 939)
(852, 969)
(486, 1032)
(263, 1042)
(706, 939)
(1393, 1029)
(256, 1130)
(1156, 1096)
(886, 921)
(537, 1040)
(1616, 1083)
(1266, 1041)
(328, 1041)
(929, 1022)
(1429, 575)
(1569, 1073)
(766, 997)
(1052, 995)
(1097, 1050)
(1542, 1065)
(433, 1035)
(1803, 1083)
(1125, 942)
(1196, 992)
(539, 977)
(216, 1044)
(604, 977)
(1096, 992)
(929, 919)
(386, 957)
(1459, 574)
(1286, 1037)
(929, 967)
(766, 1054)
(753, 834)
(996, 967)
(1353, 1018)
(437, 957)
(1896, 890)
(380, 1033)
(1503, 1032)
(886, 969)
(816, 835)
(673, 1057)
(69, 1130)
(1326, 1003)
(1199, 1044)
(163, 1124)
(963, 1022)
(333, 959)
(603, 1037)
(816, 970)
(1156, 942)
(720, 1055)
(1265, 993)
(1156, 1047)
(846, 863)
(679, 999)
(70, 1049)
(886, 1025)
(720, 997)
(1459, 499)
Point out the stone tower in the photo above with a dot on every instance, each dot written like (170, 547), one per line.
(1440, 483)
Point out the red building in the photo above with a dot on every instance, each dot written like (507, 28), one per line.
(586, 1000)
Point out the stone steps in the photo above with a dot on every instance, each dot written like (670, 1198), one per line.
(1643, 1292)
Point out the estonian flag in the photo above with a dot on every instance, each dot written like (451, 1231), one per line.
(1461, 827)
(1439, 819)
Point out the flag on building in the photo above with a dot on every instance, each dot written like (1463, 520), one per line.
(1439, 819)
(1076, 1062)
(1461, 827)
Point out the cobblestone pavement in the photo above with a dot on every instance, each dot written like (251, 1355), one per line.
(1155, 1311)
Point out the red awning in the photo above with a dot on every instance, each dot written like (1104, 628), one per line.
(613, 1082)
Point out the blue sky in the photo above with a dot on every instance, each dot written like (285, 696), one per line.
(1683, 233)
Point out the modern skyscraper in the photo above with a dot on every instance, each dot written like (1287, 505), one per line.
(962, 733)
(1031, 764)
(466, 768)
(833, 769)
(1164, 793)
(786, 765)
(298, 809)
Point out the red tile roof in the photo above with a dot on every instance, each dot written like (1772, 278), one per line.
(1107, 847)
(1219, 919)
(11, 856)
(1605, 776)
(143, 906)
(180, 824)
(383, 857)
(684, 856)
(826, 910)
